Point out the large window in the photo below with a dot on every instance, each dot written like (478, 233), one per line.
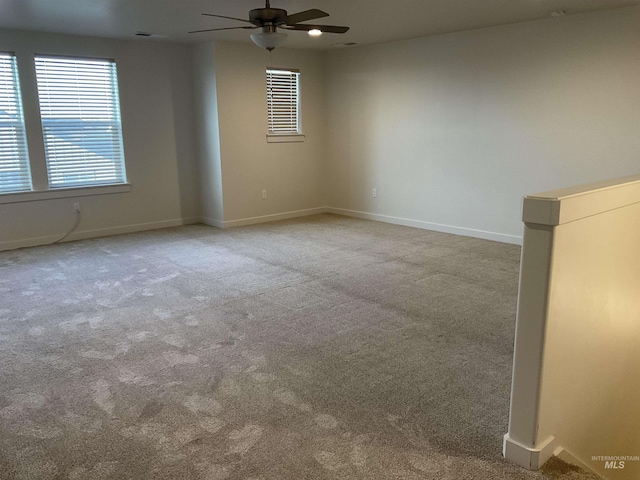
(80, 121)
(283, 101)
(14, 161)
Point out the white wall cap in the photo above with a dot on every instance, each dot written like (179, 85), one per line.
(565, 205)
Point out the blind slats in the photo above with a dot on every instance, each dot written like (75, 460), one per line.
(283, 101)
(80, 121)
(15, 175)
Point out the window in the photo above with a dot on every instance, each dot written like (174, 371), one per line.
(14, 159)
(283, 101)
(80, 121)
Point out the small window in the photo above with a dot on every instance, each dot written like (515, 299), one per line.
(81, 126)
(15, 175)
(283, 101)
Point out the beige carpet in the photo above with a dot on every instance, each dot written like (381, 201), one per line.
(318, 348)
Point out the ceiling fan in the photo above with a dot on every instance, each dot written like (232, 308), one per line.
(270, 19)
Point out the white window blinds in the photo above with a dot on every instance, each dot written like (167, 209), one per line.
(14, 159)
(283, 101)
(80, 121)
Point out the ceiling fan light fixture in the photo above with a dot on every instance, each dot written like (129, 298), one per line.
(315, 32)
(268, 40)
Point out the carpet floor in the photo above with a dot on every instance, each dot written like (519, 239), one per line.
(318, 348)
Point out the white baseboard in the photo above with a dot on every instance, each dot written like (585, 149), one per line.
(528, 457)
(467, 232)
(103, 232)
(191, 220)
(271, 218)
(407, 222)
(28, 242)
(212, 222)
(99, 232)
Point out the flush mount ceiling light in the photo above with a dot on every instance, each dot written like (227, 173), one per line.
(270, 19)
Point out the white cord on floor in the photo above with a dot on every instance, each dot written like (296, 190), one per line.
(75, 225)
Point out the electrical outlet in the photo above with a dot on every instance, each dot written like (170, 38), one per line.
(374, 192)
(76, 207)
(264, 194)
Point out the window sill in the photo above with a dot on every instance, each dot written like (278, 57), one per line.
(288, 138)
(33, 196)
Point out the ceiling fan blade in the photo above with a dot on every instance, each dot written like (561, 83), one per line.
(228, 18)
(305, 16)
(322, 28)
(226, 28)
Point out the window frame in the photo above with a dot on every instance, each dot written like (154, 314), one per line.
(286, 136)
(106, 113)
(40, 188)
(22, 160)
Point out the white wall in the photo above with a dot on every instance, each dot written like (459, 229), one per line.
(294, 174)
(575, 381)
(155, 93)
(590, 384)
(453, 130)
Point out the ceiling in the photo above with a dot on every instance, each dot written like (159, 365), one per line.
(371, 21)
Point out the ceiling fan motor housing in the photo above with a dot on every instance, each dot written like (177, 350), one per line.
(268, 16)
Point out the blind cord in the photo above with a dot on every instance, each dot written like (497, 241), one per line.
(75, 225)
